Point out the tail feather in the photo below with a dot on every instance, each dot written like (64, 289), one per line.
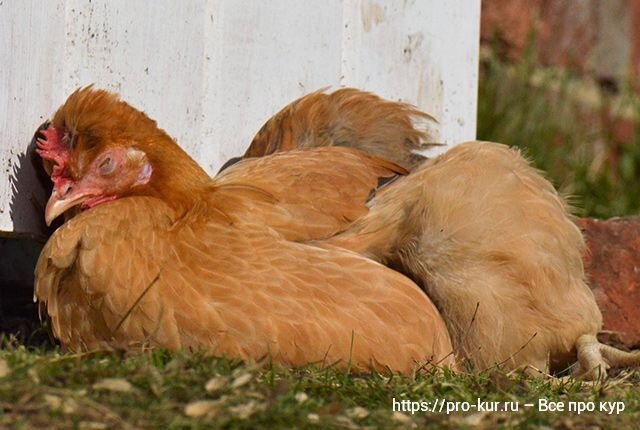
(351, 118)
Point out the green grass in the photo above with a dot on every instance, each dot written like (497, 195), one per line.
(569, 126)
(157, 389)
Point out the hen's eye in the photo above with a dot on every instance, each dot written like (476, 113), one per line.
(107, 166)
(68, 138)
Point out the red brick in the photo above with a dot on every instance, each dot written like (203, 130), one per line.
(613, 267)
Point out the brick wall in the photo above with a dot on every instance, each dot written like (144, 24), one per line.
(597, 37)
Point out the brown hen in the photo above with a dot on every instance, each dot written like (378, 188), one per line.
(162, 255)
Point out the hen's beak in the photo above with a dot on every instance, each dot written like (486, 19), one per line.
(65, 195)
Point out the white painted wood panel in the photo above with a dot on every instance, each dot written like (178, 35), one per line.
(421, 52)
(212, 71)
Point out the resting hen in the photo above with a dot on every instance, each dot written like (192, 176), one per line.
(159, 255)
(482, 232)
(491, 242)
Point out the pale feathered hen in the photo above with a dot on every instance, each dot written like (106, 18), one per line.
(491, 242)
(482, 232)
(160, 255)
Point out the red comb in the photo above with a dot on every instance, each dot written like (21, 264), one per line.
(52, 147)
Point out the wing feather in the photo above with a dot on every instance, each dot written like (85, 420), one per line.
(313, 193)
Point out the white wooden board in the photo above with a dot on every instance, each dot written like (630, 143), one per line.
(212, 71)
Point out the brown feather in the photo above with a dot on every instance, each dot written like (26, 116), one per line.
(347, 117)
(307, 194)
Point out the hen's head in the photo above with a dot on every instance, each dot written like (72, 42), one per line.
(98, 148)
